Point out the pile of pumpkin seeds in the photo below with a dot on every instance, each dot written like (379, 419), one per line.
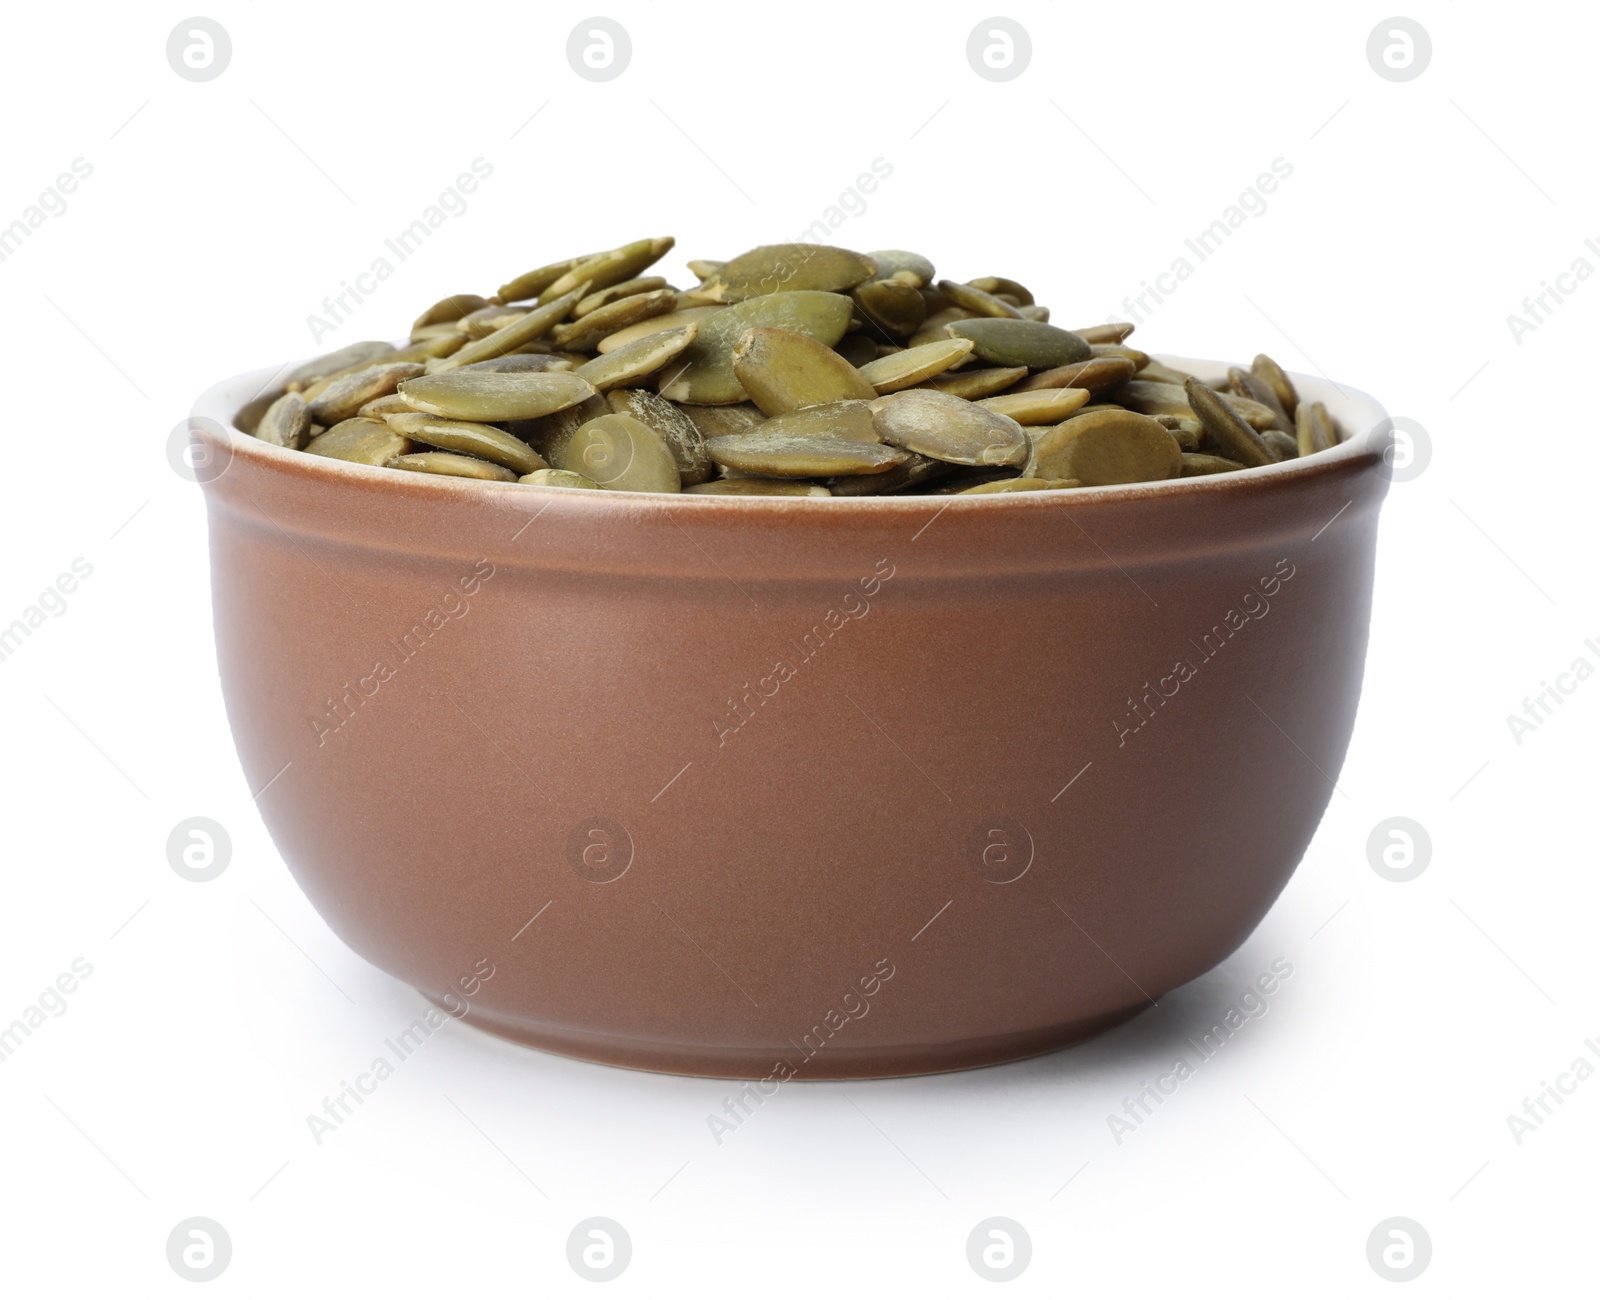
(793, 369)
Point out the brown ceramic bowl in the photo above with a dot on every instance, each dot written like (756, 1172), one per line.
(761, 787)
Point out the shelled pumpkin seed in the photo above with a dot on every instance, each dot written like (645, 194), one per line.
(789, 370)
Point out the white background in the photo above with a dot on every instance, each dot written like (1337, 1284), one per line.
(1419, 1015)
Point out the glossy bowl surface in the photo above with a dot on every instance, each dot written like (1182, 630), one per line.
(787, 787)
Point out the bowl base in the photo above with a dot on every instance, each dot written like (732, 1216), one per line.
(831, 1061)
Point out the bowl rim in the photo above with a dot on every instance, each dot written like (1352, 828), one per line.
(213, 416)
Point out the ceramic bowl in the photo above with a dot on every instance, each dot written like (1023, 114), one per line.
(781, 787)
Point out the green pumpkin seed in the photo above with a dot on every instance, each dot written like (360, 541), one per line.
(627, 289)
(704, 373)
(784, 456)
(532, 283)
(1023, 484)
(1241, 383)
(452, 465)
(1195, 464)
(858, 349)
(933, 327)
(388, 404)
(677, 430)
(561, 478)
(1105, 447)
(483, 441)
(1268, 370)
(1286, 446)
(520, 363)
(342, 398)
(364, 442)
(1186, 432)
(656, 325)
(1041, 406)
(550, 434)
(764, 487)
(1311, 434)
(1139, 359)
(353, 356)
(487, 319)
(1095, 374)
(1111, 332)
(623, 454)
(1330, 427)
(976, 384)
(850, 419)
(448, 310)
(977, 301)
(485, 395)
(915, 365)
(891, 307)
(998, 284)
(897, 262)
(949, 428)
(1223, 423)
(914, 471)
(431, 348)
(1035, 312)
(637, 360)
(1156, 373)
(585, 335)
(286, 423)
(1020, 342)
(606, 269)
(524, 330)
(703, 269)
(786, 268)
(783, 371)
(719, 421)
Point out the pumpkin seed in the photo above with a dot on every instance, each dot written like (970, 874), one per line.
(1241, 383)
(718, 421)
(977, 301)
(623, 454)
(520, 363)
(1020, 342)
(389, 404)
(365, 442)
(1185, 432)
(286, 423)
(341, 399)
(764, 487)
(655, 325)
(451, 465)
(774, 268)
(976, 384)
(1194, 464)
(1041, 406)
(1268, 370)
(1156, 373)
(525, 329)
(858, 348)
(483, 441)
(850, 419)
(550, 434)
(1024, 484)
(784, 456)
(1139, 359)
(1284, 445)
(933, 327)
(1111, 332)
(1222, 422)
(1311, 435)
(598, 299)
(585, 335)
(998, 284)
(1095, 374)
(636, 360)
(677, 430)
(703, 269)
(704, 373)
(783, 371)
(606, 269)
(486, 320)
(532, 283)
(562, 478)
(1106, 447)
(486, 395)
(891, 307)
(893, 262)
(1034, 311)
(353, 356)
(949, 428)
(915, 365)
(448, 310)
(913, 471)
